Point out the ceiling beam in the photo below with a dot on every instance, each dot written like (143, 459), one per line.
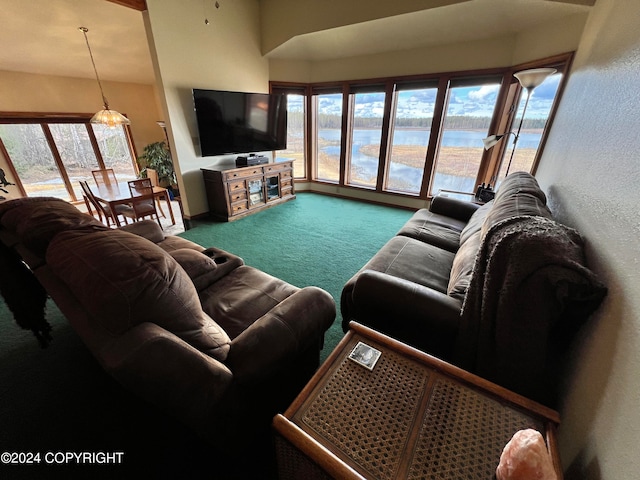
(140, 5)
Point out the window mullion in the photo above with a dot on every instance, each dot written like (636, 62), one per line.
(383, 160)
(58, 159)
(346, 133)
(95, 146)
(434, 138)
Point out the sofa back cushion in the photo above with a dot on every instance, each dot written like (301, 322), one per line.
(36, 220)
(475, 222)
(122, 280)
(519, 183)
(519, 194)
(462, 267)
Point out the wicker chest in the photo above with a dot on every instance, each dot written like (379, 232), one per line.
(411, 416)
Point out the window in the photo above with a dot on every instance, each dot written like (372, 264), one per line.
(328, 136)
(469, 110)
(412, 117)
(50, 158)
(416, 135)
(533, 125)
(295, 135)
(367, 113)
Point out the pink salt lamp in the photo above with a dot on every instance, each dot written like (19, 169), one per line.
(526, 457)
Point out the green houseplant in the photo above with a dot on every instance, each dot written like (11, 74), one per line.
(158, 157)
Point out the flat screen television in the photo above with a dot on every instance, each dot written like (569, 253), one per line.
(239, 122)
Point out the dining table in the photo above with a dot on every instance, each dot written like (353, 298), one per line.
(113, 195)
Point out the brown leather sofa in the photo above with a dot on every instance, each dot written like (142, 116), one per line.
(497, 289)
(218, 344)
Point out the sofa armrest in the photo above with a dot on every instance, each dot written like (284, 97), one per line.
(407, 310)
(166, 371)
(454, 208)
(280, 336)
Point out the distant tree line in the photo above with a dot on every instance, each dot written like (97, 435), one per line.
(454, 122)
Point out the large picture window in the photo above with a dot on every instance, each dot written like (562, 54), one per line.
(412, 119)
(469, 108)
(367, 109)
(50, 158)
(296, 134)
(418, 135)
(328, 136)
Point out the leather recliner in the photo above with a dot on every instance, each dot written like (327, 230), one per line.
(218, 344)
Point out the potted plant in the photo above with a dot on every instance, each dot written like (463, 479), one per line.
(158, 157)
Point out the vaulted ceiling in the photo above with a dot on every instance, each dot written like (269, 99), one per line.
(42, 36)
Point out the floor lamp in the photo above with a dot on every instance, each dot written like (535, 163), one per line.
(529, 79)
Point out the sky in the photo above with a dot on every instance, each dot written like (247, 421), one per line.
(466, 101)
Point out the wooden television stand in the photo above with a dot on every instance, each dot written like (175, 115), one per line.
(235, 192)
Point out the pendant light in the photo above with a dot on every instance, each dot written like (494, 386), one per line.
(108, 117)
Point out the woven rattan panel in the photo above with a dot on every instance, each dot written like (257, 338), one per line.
(295, 465)
(367, 415)
(463, 434)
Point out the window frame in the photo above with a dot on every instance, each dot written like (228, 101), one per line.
(302, 90)
(44, 120)
(502, 120)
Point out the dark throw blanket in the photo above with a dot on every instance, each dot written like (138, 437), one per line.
(24, 295)
(529, 293)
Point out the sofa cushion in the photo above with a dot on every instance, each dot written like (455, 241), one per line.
(206, 267)
(243, 296)
(520, 182)
(36, 220)
(462, 267)
(173, 242)
(413, 260)
(435, 229)
(475, 222)
(518, 195)
(148, 229)
(123, 280)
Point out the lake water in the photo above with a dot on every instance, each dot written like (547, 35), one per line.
(367, 166)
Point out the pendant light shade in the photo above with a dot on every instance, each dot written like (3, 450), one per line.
(107, 117)
(110, 118)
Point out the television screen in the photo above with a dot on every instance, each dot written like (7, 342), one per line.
(238, 122)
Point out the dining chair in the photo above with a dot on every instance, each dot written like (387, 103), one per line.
(142, 200)
(152, 175)
(103, 211)
(105, 177)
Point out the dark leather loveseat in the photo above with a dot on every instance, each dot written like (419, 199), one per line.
(217, 344)
(497, 289)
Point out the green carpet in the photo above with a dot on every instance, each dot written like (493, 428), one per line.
(312, 240)
(59, 399)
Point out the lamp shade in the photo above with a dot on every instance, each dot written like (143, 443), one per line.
(110, 118)
(491, 140)
(530, 79)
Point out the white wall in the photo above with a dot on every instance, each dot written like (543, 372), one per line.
(187, 54)
(591, 172)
